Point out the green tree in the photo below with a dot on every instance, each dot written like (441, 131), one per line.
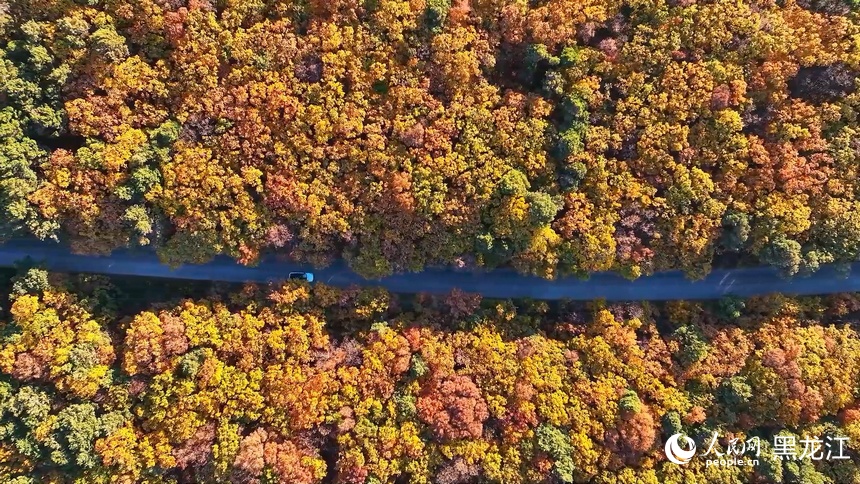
(542, 208)
(109, 45)
(34, 281)
(558, 446)
(784, 254)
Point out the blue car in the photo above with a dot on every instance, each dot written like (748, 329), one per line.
(306, 276)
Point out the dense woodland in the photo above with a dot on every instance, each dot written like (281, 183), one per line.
(554, 136)
(298, 385)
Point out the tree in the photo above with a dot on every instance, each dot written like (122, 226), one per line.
(733, 394)
(736, 231)
(784, 254)
(542, 208)
(514, 182)
(34, 281)
(453, 408)
(692, 344)
(108, 44)
(730, 308)
(556, 444)
(437, 12)
(55, 340)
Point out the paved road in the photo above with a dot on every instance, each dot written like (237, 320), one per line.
(493, 284)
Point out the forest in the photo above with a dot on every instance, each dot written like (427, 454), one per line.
(305, 384)
(554, 137)
(557, 137)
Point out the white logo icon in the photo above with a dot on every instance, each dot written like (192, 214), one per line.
(677, 454)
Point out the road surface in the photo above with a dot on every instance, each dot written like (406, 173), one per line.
(502, 283)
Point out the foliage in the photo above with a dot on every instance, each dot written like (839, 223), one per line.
(556, 137)
(261, 387)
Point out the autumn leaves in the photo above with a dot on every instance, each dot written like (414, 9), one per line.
(559, 138)
(301, 385)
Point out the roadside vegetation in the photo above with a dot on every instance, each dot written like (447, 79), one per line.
(305, 384)
(555, 136)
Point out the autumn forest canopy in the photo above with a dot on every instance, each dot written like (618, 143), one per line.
(301, 384)
(555, 136)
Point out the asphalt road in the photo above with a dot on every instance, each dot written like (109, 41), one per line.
(501, 283)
